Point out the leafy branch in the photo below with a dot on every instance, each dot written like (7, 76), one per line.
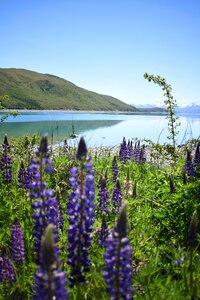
(170, 104)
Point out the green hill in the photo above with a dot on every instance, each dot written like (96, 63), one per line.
(32, 90)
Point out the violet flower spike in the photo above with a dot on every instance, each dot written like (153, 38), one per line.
(6, 162)
(17, 243)
(45, 206)
(189, 167)
(197, 156)
(80, 216)
(50, 281)
(6, 269)
(117, 197)
(103, 232)
(118, 261)
(103, 198)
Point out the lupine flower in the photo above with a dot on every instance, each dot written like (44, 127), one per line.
(6, 162)
(49, 279)
(103, 232)
(24, 177)
(137, 155)
(115, 169)
(131, 150)
(118, 261)
(81, 216)
(123, 151)
(189, 167)
(104, 197)
(197, 156)
(117, 197)
(45, 206)
(6, 269)
(17, 243)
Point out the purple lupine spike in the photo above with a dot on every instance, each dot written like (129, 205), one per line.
(123, 151)
(118, 260)
(24, 177)
(45, 206)
(189, 167)
(104, 197)
(50, 281)
(80, 216)
(117, 197)
(17, 243)
(103, 232)
(115, 169)
(21, 175)
(197, 156)
(137, 152)
(6, 162)
(6, 269)
(131, 151)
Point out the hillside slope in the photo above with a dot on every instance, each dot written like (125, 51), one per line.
(32, 90)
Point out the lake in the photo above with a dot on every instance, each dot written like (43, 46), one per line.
(99, 129)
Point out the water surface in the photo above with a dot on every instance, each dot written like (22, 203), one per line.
(99, 129)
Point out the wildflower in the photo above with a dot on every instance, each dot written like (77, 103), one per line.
(103, 232)
(118, 260)
(45, 206)
(24, 177)
(189, 167)
(6, 269)
(123, 151)
(137, 154)
(17, 243)
(197, 156)
(117, 197)
(6, 162)
(103, 198)
(80, 216)
(49, 279)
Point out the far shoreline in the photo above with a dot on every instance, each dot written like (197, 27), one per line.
(82, 111)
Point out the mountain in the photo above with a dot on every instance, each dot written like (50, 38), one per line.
(183, 108)
(189, 108)
(31, 90)
(149, 107)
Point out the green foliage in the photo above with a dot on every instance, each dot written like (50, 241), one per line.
(165, 266)
(170, 103)
(4, 99)
(32, 90)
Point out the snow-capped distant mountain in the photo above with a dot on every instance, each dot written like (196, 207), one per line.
(192, 107)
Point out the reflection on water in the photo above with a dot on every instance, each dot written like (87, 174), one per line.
(99, 129)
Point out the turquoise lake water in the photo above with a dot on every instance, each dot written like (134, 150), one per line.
(99, 129)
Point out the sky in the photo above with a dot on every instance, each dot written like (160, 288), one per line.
(106, 46)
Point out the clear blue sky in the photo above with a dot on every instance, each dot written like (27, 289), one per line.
(106, 46)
